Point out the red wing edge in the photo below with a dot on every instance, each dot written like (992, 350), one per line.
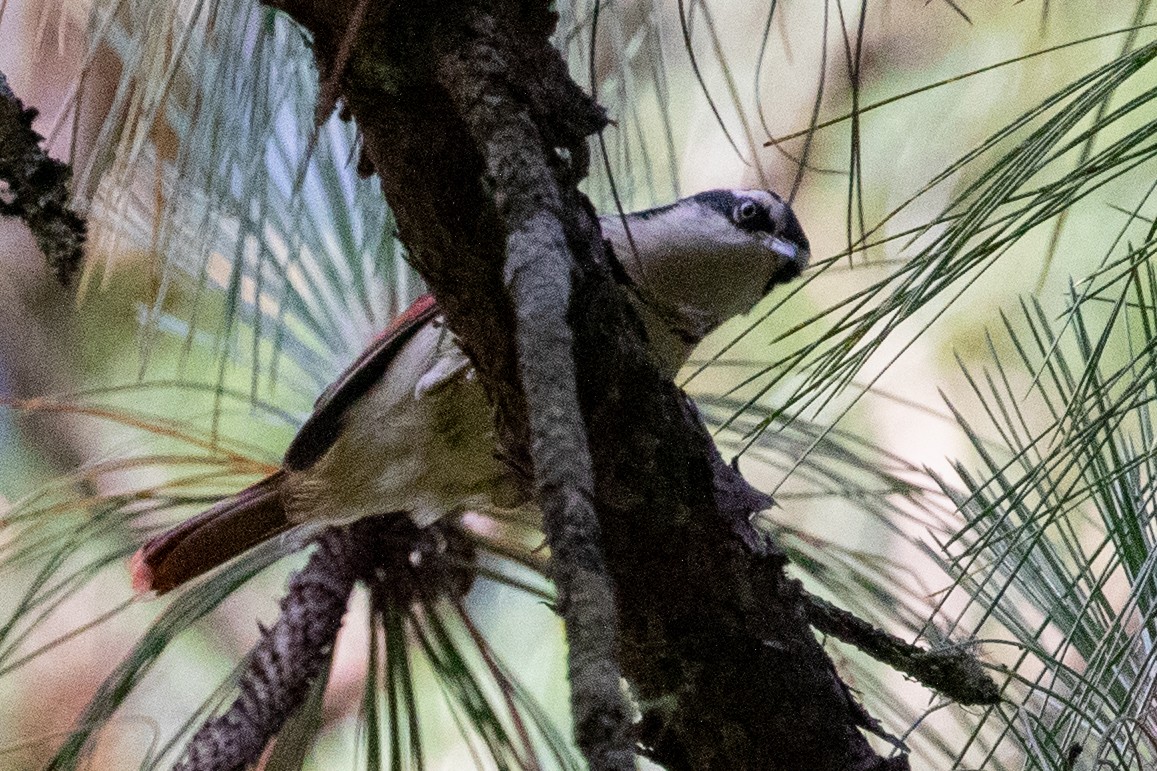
(323, 426)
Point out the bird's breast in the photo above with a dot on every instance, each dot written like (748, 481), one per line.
(420, 441)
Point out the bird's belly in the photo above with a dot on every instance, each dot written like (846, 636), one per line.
(425, 454)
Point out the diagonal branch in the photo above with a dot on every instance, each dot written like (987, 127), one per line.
(954, 672)
(286, 659)
(399, 562)
(538, 275)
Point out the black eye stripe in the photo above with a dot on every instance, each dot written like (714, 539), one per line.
(726, 203)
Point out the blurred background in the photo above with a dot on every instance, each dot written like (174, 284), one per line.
(951, 410)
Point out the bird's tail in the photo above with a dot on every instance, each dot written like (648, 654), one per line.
(211, 538)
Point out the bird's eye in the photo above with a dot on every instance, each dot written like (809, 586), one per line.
(745, 211)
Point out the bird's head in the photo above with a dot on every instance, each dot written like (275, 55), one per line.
(709, 257)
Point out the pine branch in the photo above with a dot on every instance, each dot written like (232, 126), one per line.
(286, 659)
(401, 563)
(35, 187)
(538, 275)
(954, 672)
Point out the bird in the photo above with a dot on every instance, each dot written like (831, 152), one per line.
(408, 428)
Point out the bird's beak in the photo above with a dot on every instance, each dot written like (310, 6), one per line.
(788, 251)
(794, 258)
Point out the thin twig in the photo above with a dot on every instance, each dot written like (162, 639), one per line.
(954, 672)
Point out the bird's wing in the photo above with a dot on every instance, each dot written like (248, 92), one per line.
(324, 424)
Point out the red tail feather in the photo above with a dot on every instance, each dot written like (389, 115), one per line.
(212, 538)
